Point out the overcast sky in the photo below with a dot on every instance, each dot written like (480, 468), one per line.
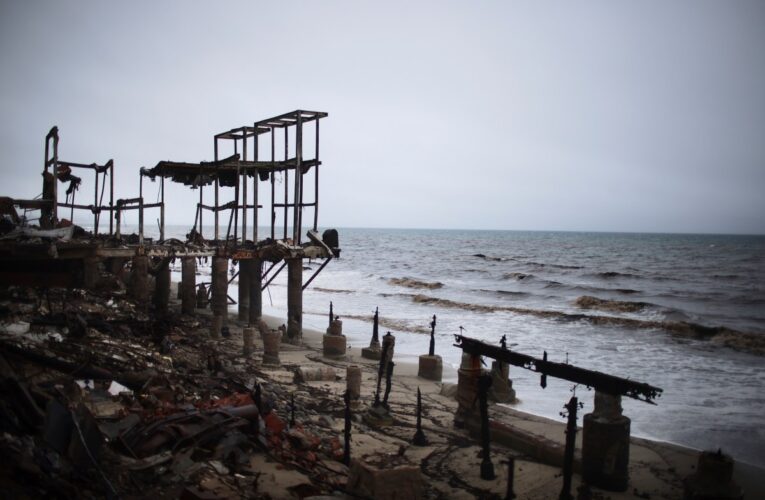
(605, 116)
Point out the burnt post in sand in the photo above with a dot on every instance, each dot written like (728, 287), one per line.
(347, 429)
(431, 366)
(419, 438)
(373, 351)
(334, 342)
(510, 495)
(188, 285)
(378, 414)
(568, 455)
(331, 315)
(202, 299)
(487, 468)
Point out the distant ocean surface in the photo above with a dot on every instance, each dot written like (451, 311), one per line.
(682, 312)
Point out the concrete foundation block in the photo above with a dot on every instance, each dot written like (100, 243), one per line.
(334, 345)
(385, 484)
(431, 367)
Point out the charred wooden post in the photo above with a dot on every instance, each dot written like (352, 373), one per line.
(216, 326)
(243, 311)
(256, 292)
(162, 287)
(380, 373)
(487, 468)
(388, 384)
(373, 351)
(510, 495)
(294, 300)
(188, 285)
(431, 366)
(292, 409)
(606, 444)
(331, 315)
(139, 280)
(568, 455)
(347, 429)
(90, 272)
(220, 287)
(258, 398)
(202, 299)
(419, 438)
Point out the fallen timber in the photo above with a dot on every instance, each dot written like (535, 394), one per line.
(602, 382)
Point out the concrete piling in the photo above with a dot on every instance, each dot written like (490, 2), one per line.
(606, 444)
(216, 326)
(353, 381)
(294, 300)
(467, 388)
(139, 280)
(244, 291)
(187, 285)
(162, 287)
(256, 294)
(271, 342)
(247, 335)
(220, 287)
(334, 342)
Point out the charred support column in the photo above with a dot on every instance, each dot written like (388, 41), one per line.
(162, 288)
(294, 300)
(606, 444)
(256, 294)
(568, 454)
(139, 280)
(90, 272)
(244, 290)
(373, 351)
(188, 285)
(487, 468)
(220, 287)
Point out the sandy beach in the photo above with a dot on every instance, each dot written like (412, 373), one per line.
(195, 375)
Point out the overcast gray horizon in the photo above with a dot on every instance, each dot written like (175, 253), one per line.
(593, 116)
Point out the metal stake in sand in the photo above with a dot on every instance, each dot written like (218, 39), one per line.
(487, 468)
(432, 350)
(419, 438)
(292, 410)
(568, 455)
(375, 327)
(388, 377)
(380, 371)
(258, 399)
(347, 430)
(331, 314)
(510, 495)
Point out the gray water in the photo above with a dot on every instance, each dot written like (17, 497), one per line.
(713, 395)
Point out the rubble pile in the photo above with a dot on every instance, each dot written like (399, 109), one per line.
(103, 400)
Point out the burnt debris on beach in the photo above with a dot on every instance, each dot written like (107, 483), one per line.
(113, 386)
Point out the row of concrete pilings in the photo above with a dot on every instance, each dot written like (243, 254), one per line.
(250, 299)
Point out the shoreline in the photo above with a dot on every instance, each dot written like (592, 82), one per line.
(683, 458)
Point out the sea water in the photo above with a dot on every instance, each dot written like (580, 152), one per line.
(659, 292)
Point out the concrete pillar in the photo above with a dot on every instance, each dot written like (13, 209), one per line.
(467, 388)
(353, 381)
(90, 272)
(271, 342)
(139, 280)
(713, 479)
(256, 294)
(220, 288)
(606, 444)
(431, 367)
(294, 300)
(216, 326)
(501, 389)
(247, 335)
(244, 291)
(334, 342)
(162, 288)
(188, 285)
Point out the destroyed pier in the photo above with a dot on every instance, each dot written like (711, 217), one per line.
(56, 255)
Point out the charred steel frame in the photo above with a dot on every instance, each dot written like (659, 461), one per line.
(106, 170)
(599, 381)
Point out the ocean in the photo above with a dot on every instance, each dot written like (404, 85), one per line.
(682, 312)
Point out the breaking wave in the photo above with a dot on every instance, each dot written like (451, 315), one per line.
(330, 290)
(728, 337)
(390, 324)
(615, 274)
(413, 283)
(590, 302)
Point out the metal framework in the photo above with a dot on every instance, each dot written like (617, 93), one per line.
(602, 382)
